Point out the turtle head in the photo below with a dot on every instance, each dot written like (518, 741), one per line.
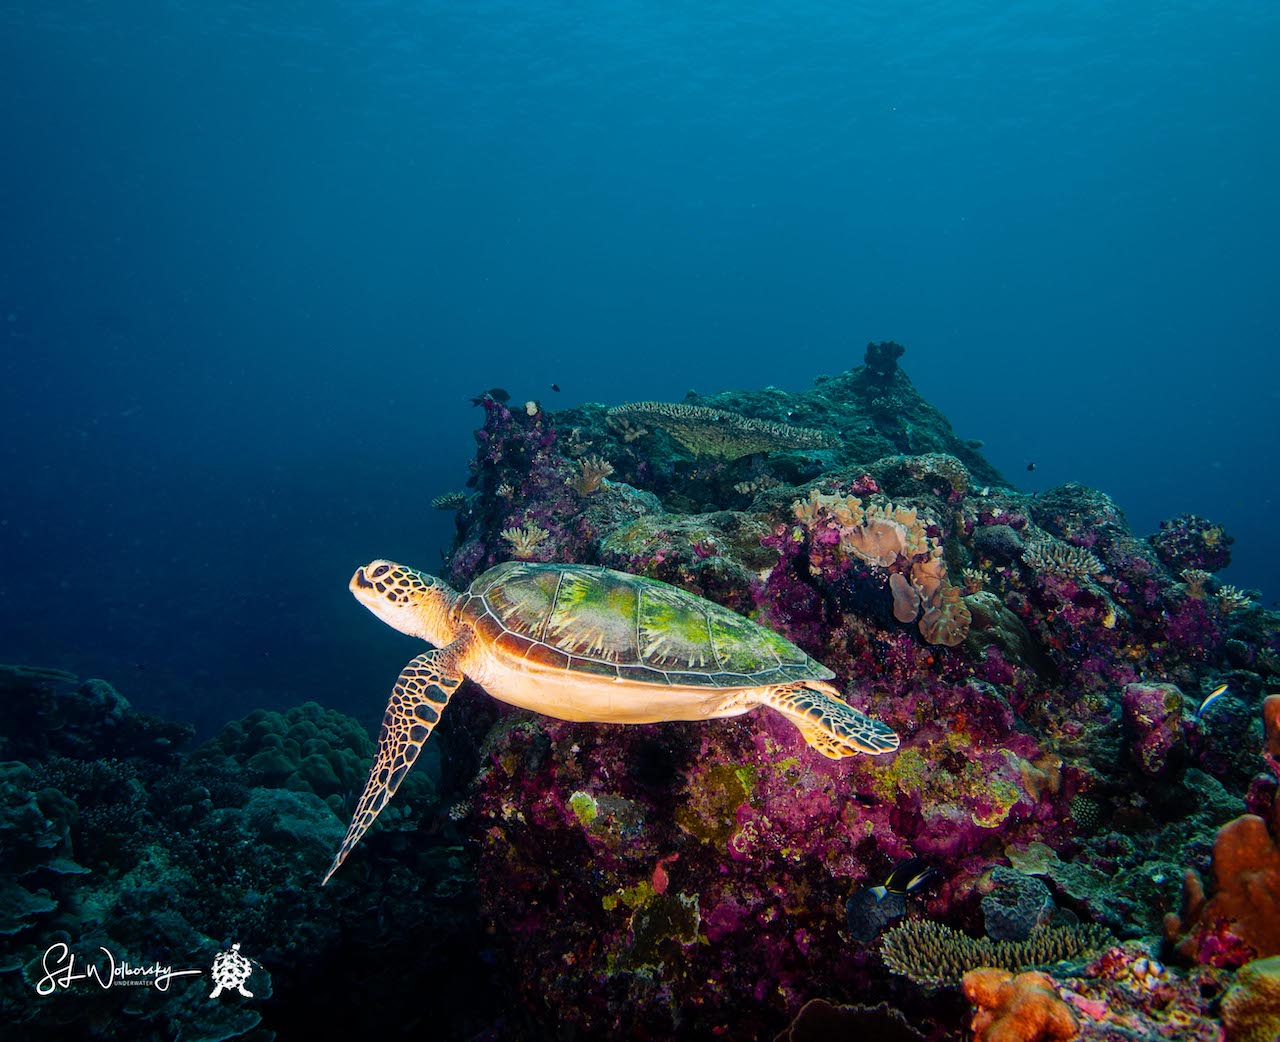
(408, 600)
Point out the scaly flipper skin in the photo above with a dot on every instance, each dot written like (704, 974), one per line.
(417, 700)
(829, 725)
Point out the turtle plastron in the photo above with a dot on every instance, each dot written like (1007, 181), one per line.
(418, 698)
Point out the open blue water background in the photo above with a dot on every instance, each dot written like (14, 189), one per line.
(255, 258)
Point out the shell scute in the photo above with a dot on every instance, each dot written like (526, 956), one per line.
(611, 624)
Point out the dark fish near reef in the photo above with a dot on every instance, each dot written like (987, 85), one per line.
(1031, 466)
(871, 908)
(496, 394)
(556, 388)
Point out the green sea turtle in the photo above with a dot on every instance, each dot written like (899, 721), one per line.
(585, 643)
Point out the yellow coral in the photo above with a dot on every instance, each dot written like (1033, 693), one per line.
(594, 470)
(1251, 1007)
(524, 541)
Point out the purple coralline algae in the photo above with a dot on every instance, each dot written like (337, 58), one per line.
(691, 880)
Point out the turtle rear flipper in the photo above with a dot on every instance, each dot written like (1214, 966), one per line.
(831, 726)
(417, 700)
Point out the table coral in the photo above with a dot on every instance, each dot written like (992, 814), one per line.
(1025, 1008)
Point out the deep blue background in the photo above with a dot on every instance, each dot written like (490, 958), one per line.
(256, 258)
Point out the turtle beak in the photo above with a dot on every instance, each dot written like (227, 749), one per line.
(359, 582)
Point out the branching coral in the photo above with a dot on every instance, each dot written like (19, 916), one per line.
(524, 540)
(1063, 559)
(1025, 1008)
(1232, 599)
(1195, 578)
(449, 501)
(720, 432)
(594, 469)
(933, 954)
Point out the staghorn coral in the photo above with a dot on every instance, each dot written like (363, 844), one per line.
(1063, 560)
(720, 432)
(1232, 599)
(594, 469)
(1195, 578)
(1025, 1008)
(933, 954)
(449, 501)
(524, 540)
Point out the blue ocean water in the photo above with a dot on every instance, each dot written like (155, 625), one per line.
(257, 258)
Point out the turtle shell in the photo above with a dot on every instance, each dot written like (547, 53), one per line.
(596, 621)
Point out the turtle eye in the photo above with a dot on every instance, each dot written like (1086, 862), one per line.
(380, 571)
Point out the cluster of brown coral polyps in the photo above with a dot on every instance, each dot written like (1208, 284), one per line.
(895, 538)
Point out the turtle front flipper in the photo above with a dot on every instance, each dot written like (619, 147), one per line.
(417, 700)
(831, 726)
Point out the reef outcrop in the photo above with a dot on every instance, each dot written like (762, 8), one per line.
(1084, 735)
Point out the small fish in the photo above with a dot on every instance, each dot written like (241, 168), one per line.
(909, 877)
(1220, 689)
(871, 908)
(1031, 466)
(496, 394)
(556, 388)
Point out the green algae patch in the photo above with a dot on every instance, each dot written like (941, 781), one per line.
(711, 811)
(909, 772)
(632, 897)
(660, 923)
(584, 807)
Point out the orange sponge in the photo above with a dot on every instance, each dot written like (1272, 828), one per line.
(1025, 1008)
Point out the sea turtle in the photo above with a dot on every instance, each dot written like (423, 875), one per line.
(584, 643)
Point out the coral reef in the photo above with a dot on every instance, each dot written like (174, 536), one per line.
(1052, 765)
(1061, 771)
(152, 855)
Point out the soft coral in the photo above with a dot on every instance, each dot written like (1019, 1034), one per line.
(1025, 1008)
